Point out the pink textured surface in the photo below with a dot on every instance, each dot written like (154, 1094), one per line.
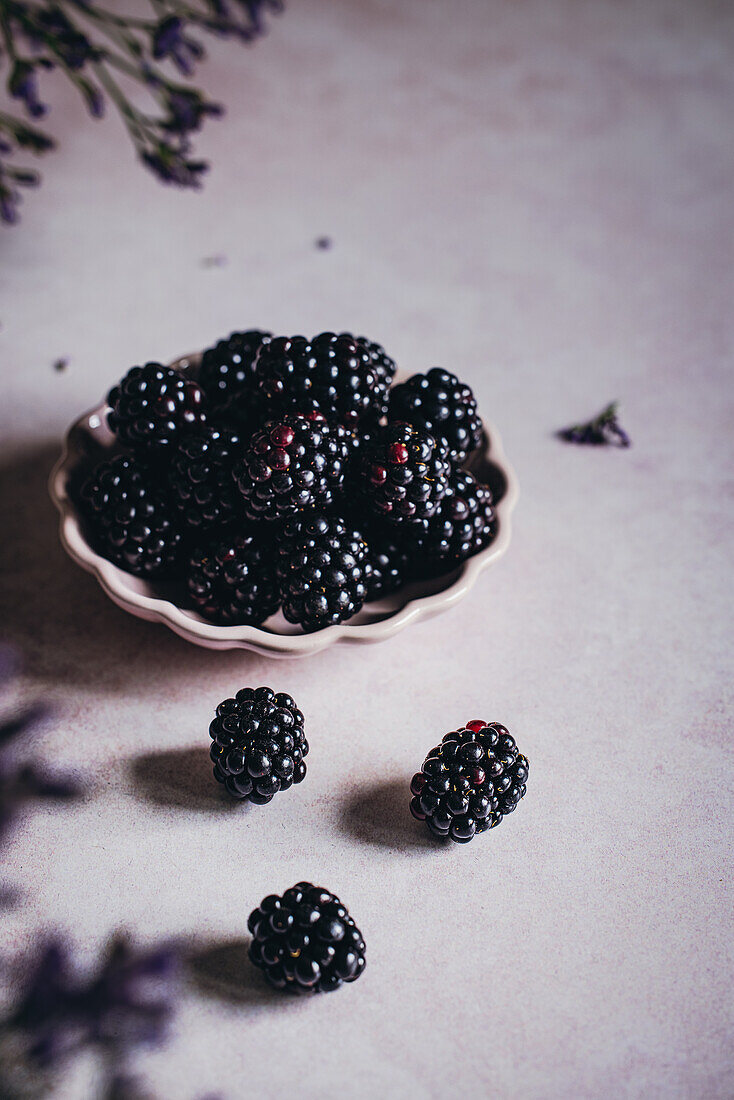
(538, 196)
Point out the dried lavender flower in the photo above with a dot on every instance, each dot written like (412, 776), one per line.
(98, 50)
(603, 430)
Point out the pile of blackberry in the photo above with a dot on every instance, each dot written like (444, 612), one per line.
(286, 473)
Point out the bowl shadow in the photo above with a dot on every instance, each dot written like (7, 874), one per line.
(223, 970)
(380, 815)
(180, 779)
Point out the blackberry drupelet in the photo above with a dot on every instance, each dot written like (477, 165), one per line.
(323, 571)
(405, 473)
(464, 524)
(442, 405)
(201, 477)
(258, 744)
(131, 520)
(469, 782)
(154, 406)
(232, 580)
(306, 941)
(343, 377)
(227, 375)
(293, 463)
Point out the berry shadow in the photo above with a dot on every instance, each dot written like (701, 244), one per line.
(380, 815)
(181, 779)
(56, 615)
(223, 970)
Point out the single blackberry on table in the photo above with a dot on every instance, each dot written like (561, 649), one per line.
(442, 405)
(154, 406)
(258, 744)
(132, 522)
(201, 477)
(405, 473)
(341, 376)
(232, 579)
(227, 375)
(323, 571)
(464, 524)
(469, 782)
(306, 941)
(293, 463)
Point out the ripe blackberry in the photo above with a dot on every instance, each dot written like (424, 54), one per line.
(293, 463)
(154, 406)
(442, 405)
(405, 473)
(227, 375)
(201, 477)
(343, 377)
(131, 520)
(464, 524)
(258, 744)
(323, 571)
(390, 558)
(306, 941)
(233, 580)
(469, 782)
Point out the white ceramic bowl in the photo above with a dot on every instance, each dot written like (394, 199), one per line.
(89, 440)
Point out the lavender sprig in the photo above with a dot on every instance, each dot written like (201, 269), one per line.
(603, 430)
(101, 52)
(22, 781)
(128, 1001)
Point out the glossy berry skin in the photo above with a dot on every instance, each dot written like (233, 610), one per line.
(232, 579)
(323, 571)
(306, 941)
(201, 477)
(469, 782)
(443, 406)
(292, 464)
(132, 522)
(227, 375)
(344, 377)
(258, 744)
(464, 524)
(404, 474)
(153, 407)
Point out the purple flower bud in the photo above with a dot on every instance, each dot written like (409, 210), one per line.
(22, 84)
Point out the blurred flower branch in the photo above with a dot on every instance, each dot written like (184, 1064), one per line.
(103, 54)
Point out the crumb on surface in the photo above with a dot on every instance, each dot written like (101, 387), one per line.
(217, 260)
(61, 363)
(323, 243)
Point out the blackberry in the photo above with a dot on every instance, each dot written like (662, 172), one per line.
(464, 524)
(343, 377)
(233, 580)
(390, 560)
(293, 463)
(258, 744)
(154, 406)
(323, 571)
(227, 375)
(442, 405)
(306, 941)
(201, 477)
(469, 782)
(405, 473)
(131, 520)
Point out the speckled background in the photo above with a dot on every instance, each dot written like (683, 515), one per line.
(537, 195)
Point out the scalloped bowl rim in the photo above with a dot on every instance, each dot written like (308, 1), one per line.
(115, 582)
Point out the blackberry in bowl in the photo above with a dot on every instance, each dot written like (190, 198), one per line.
(443, 406)
(210, 579)
(305, 941)
(258, 744)
(405, 473)
(154, 406)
